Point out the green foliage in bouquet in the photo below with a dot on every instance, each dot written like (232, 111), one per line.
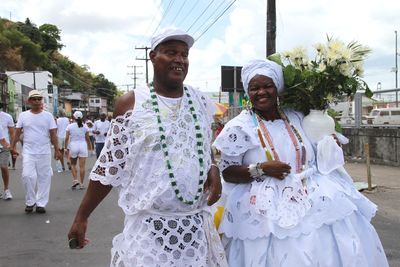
(334, 72)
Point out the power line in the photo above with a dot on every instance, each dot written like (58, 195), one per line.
(226, 9)
(209, 17)
(163, 16)
(90, 87)
(177, 13)
(153, 19)
(187, 14)
(200, 15)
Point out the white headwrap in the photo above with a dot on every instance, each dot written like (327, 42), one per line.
(262, 67)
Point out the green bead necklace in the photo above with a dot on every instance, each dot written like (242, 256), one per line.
(199, 144)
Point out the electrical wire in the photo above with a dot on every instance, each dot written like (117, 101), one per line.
(226, 9)
(164, 15)
(195, 4)
(200, 15)
(152, 20)
(177, 13)
(208, 18)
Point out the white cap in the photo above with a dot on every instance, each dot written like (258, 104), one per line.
(78, 115)
(171, 34)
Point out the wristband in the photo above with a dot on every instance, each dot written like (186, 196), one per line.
(215, 165)
(255, 170)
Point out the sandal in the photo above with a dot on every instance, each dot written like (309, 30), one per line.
(75, 183)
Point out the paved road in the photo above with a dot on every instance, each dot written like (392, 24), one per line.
(40, 239)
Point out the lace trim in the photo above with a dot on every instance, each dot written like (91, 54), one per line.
(109, 168)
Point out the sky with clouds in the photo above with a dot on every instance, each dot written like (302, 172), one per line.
(104, 34)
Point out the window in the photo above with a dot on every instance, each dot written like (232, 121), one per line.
(395, 112)
(97, 100)
(384, 113)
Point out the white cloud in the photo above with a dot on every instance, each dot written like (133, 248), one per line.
(103, 34)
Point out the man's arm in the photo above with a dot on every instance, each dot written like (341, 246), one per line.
(14, 140)
(95, 193)
(11, 132)
(53, 139)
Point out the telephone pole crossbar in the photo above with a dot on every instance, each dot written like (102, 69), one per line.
(146, 59)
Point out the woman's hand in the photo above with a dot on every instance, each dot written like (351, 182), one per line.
(337, 140)
(276, 169)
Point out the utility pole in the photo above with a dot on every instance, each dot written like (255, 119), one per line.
(134, 73)
(396, 55)
(396, 69)
(34, 80)
(271, 27)
(146, 59)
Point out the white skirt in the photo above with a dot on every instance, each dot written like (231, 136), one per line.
(336, 230)
(351, 242)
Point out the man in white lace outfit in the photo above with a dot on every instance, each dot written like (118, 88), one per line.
(158, 154)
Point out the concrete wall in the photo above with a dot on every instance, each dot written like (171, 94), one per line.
(384, 145)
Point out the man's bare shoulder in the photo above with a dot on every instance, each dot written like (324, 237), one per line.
(124, 103)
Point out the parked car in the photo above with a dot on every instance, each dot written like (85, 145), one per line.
(384, 116)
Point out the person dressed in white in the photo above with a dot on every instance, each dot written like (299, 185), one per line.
(100, 130)
(77, 143)
(158, 155)
(39, 130)
(282, 208)
(62, 124)
(7, 126)
(89, 125)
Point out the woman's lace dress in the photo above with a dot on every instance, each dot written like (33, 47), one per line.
(159, 229)
(323, 221)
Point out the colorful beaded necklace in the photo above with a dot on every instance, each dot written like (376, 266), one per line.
(295, 137)
(199, 144)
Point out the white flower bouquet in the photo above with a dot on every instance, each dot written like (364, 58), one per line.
(313, 83)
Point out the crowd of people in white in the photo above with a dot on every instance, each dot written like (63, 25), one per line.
(73, 138)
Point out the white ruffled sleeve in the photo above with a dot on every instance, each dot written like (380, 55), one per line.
(234, 141)
(110, 167)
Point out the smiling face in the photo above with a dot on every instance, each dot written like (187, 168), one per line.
(171, 63)
(263, 94)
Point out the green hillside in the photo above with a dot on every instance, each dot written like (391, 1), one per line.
(27, 47)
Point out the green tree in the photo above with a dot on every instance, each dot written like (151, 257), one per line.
(50, 37)
(17, 51)
(30, 30)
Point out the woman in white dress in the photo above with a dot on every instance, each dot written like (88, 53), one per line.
(280, 209)
(77, 143)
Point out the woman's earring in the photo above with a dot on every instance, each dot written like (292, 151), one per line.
(278, 102)
(248, 105)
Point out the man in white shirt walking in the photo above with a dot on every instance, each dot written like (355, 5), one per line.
(100, 132)
(7, 127)
(39, 129)
(62, 124)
